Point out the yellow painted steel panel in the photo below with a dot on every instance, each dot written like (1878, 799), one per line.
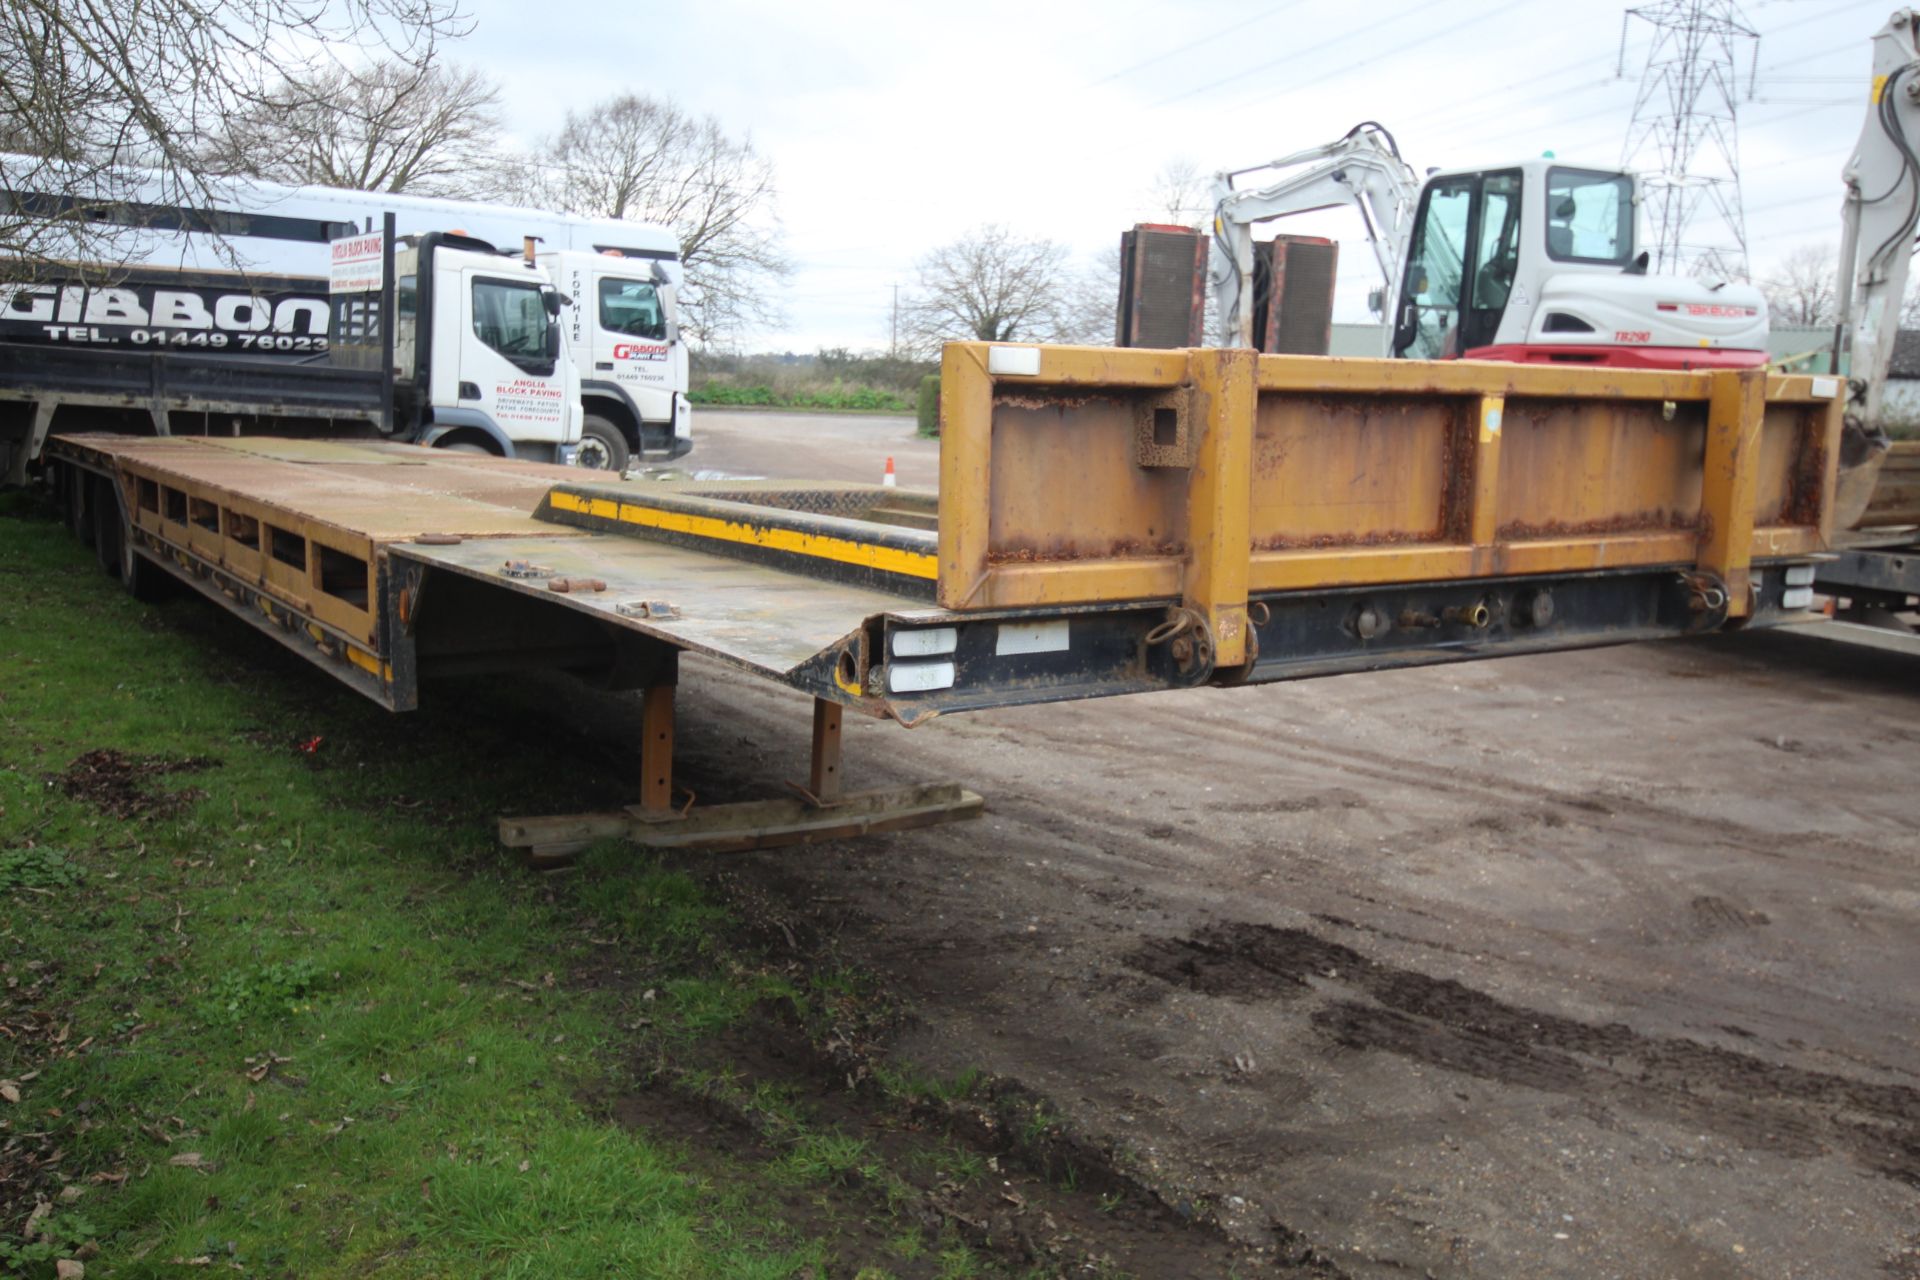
(1598, 467)
(1064, 485)
(1016, 586)
(1220, 419)
(1735, 418)
(1094, 366)
(1307, 374)
(1358, 471)
(1360, 566)
(1352, 470)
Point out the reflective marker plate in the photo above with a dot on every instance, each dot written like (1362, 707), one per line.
(1030, 637)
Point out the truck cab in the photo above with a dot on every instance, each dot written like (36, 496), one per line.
(624, 334)
(1542, 262)
(481, 360)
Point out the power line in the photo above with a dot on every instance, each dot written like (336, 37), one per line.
(1194, 44)
(1374, 59)
(1297, 54)
(1824, 13)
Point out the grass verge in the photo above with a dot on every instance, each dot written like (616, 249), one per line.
(272, 1000)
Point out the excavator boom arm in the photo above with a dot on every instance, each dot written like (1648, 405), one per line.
(1877, 222)
(1362, 169)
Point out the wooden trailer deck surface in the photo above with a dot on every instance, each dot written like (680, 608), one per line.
(390, 509)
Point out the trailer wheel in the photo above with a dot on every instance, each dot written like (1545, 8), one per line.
(113, 544)
(76, 488)
(104, 515)
(602, 447)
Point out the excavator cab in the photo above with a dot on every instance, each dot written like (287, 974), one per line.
(1461, 266)
(1539, 263)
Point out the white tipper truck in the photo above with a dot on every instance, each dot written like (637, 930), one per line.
(241, 267)
(439, 340)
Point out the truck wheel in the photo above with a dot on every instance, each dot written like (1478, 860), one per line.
(602, 447)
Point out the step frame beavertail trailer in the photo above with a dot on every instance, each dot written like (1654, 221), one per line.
(1108, 521)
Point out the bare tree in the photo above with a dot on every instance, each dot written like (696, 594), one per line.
(992, 285)
(92, 89)
(1801, 288)
(1179, 194)
(647, 159)
(390, 126)
(1092, 301)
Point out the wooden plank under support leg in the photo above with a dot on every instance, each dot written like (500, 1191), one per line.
(826, 813)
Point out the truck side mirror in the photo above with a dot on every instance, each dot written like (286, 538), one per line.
(553, 342)
(551, 300)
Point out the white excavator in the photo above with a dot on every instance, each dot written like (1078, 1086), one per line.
(1537, 261)
(1540, 261)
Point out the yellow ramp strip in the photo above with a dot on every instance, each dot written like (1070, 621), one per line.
(912, 564)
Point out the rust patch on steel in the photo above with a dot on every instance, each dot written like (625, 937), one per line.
(1125, 549)
(1807, 481)
(1328, 541)
(1627, 522)
(1459, 460)
(1026, 399)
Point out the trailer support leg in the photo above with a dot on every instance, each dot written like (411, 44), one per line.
(656, 749)
(824, 780)
(823, 810)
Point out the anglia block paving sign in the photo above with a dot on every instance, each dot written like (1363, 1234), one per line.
(356, 264)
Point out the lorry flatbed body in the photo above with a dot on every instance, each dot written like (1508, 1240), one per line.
(162, 380)
(1875, 567)
(1108, 522)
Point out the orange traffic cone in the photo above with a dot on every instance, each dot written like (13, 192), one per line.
(886, 477)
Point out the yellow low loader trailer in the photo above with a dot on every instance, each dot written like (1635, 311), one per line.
(1107, 522)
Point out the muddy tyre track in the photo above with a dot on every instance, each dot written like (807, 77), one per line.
(1444, 1023)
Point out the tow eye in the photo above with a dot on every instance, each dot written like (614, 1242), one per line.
(1706, 600)
(1189, 642)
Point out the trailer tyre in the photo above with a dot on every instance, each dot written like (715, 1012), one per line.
(113, 544)
(67, 484)
(107, 534)
(602, 447)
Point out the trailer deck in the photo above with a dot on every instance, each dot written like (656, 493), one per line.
(1109, 522)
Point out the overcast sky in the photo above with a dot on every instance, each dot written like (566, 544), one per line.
(896, 127)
